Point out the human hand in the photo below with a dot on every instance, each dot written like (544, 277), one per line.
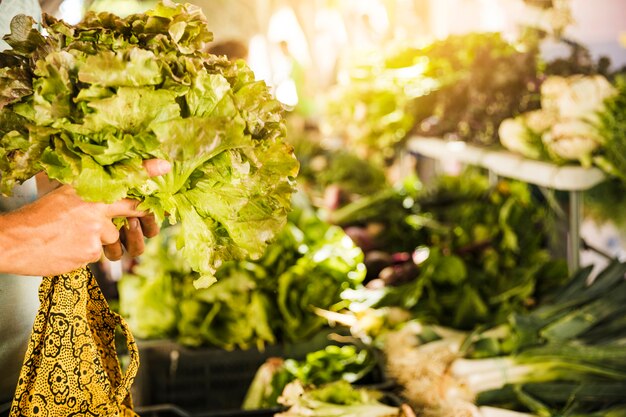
(60, 232)
(131, 235)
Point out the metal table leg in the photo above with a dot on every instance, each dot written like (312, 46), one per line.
(574, 243)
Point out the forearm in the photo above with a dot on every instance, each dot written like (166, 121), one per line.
(17, 245)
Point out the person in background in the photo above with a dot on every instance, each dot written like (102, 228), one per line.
(233, 49)
(54, 234)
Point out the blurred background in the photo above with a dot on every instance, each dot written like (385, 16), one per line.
(323, 36)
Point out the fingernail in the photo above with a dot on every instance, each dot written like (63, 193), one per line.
(133, 224)
(164, 166)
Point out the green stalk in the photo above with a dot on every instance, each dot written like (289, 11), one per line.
(609, 357)
(575, 286)
(528, 329)
(589, 393)
(609, 331)
(366, 208)
(587, 316)
(610, 277)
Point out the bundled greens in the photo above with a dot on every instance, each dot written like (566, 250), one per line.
(463, 253)
(611, 126)
(87, 103)
(564, 358)
(334, 399)
(461, 87)
(330, 364)
(269, 300)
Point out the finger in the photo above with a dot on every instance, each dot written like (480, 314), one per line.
(124, 208)
(113, 251)
(156, 167)
(109, 234)
(132, 237)
(149, 226)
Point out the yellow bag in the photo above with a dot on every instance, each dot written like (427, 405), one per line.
(71, 366)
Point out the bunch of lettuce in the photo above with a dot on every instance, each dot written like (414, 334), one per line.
(88, 103)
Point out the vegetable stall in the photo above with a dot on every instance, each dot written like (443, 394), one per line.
(371, 212)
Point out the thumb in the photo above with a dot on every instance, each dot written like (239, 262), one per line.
(156, 167)
(124, 208)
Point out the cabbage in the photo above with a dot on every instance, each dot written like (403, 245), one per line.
(87, 103)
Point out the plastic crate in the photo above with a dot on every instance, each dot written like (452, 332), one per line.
(161, 410)
(169, 410)
(240, 413)
(388, 398)
(205, 379)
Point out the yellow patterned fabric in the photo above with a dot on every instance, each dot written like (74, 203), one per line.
(71, 366)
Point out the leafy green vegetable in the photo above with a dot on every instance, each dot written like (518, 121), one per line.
(481, 251)
(88, 103)
(335, 399)
(322, 167)
(612, 128)
(565, 357)
(254, 303)
(330, 364)
(460, 87)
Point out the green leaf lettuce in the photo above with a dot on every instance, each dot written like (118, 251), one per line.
(87, 103)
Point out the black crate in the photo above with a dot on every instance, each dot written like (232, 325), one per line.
(205, 379)
(169, 410)
(161, 410)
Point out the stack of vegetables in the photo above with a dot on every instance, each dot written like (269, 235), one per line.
(581, 120)
(605, 201)
(269, 300)
(334, 363)
(565, 358)
(335, 399)
(461, 87)
(462, 253)
(563, 129)
(87, 103)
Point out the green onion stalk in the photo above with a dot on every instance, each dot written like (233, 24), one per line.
(566, 358)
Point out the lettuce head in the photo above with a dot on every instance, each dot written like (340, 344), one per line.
(87, 103)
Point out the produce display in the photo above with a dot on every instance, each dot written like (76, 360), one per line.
(461, 253)
(333, 363)
(563, 129)
(461, 87)
(563, 358)
(87, 103)
(279, 228)
(334, 399)
(269, 300)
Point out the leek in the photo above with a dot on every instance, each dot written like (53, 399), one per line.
(566, 358)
